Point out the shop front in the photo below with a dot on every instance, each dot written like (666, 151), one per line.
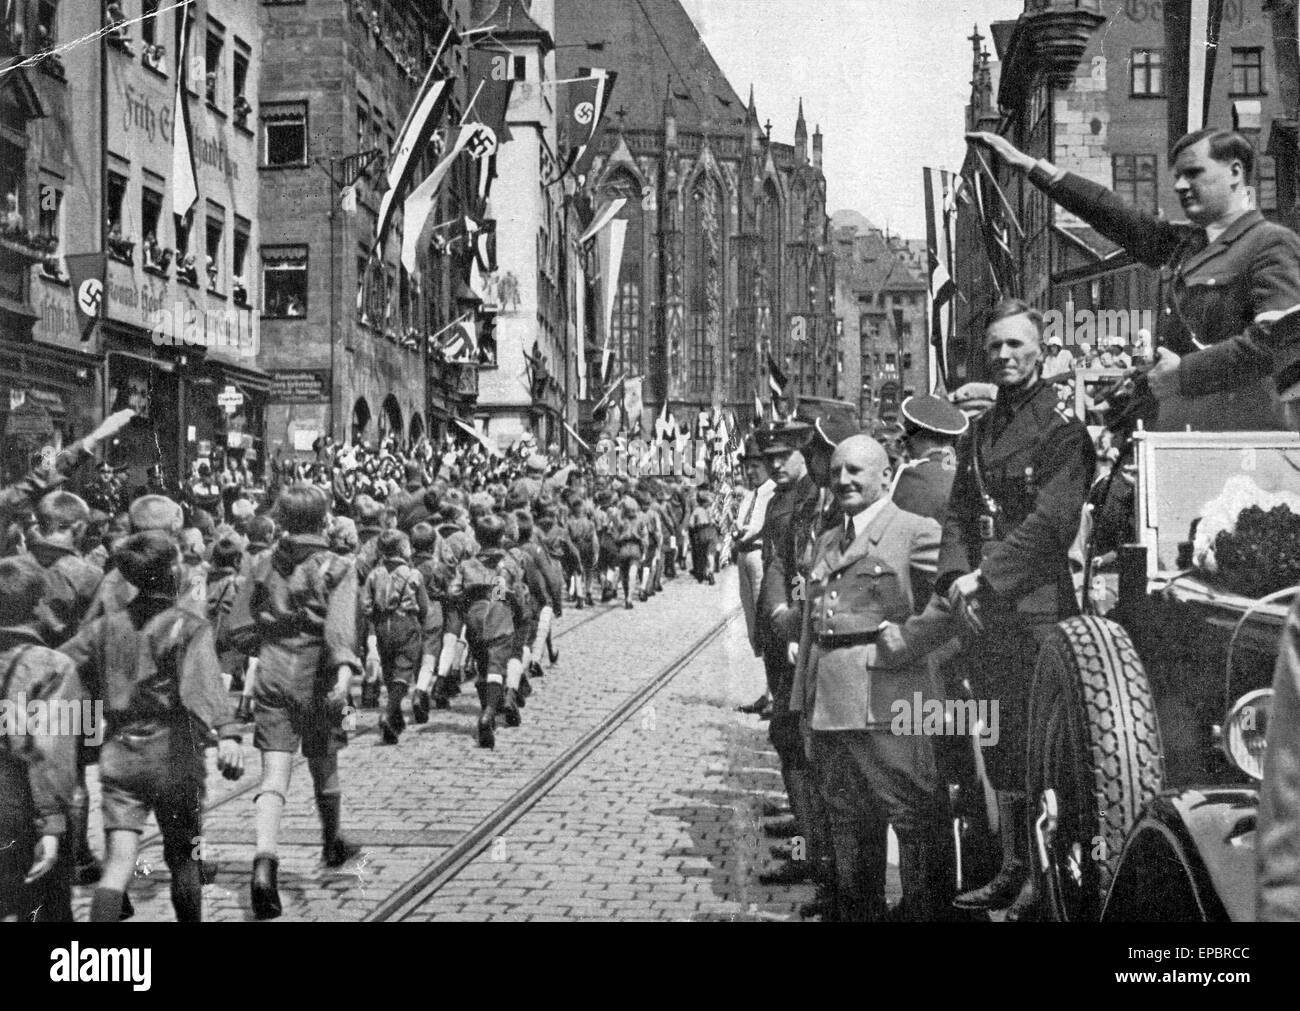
(49, 396)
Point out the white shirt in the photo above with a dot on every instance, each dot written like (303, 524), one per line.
(759, 498)
(864, 519)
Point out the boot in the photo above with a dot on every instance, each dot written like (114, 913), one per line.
(918, 869)
(442, 692)
(420, 704)
(1002, 891)
(487, 719)
(266, 887)
(392, 723)
(106, 906)
(336, 850)
(510, 708)
(187, 892)
(1025, 908)
(535, 670)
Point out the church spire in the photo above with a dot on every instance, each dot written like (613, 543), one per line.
(801, 136)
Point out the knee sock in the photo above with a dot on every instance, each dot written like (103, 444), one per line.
(514, 673)
(270, 806)
(543, 632)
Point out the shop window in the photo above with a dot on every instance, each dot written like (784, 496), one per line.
(239, 261)
(284, 281)
(284, 133)
(212, 246)
(121, 244)
(212, 69)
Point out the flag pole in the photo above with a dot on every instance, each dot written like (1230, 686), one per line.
(459, 319)
(998, 190)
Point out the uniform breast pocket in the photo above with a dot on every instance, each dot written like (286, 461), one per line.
(883, 591)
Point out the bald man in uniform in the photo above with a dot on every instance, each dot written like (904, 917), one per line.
(859, 587)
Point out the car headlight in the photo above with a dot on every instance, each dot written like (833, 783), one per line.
(1245, 732)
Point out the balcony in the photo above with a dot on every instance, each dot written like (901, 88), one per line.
(1049, 40)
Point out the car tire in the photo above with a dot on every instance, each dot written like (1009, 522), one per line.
(1093, 738)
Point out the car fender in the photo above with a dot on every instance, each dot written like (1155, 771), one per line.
(1212, 829)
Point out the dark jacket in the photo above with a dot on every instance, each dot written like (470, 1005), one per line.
(302, 603)
(154, 662)
(32, 672)
(792, 505)
(1227, 305)
(1037, 464)
(924, 485)
(70, 586)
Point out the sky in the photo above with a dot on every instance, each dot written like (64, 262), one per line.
(888, 80)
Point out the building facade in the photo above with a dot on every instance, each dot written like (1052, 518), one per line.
(89, 148)
(727, 257)
(348, 338)
(880, 299)
(1086, 84)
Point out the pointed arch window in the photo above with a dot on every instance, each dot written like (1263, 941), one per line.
(628, 325)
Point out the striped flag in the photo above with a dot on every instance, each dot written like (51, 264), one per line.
(409, 148)
(460, 346)
(938, 199)
(1192, 29)
(185, 182)
(417, 218)
(777, 382)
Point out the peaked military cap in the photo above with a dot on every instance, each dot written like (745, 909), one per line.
(933, 414)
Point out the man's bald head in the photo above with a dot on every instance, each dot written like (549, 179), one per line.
(156, 512)
(859, 473)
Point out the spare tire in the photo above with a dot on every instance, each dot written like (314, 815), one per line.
(1094, 740)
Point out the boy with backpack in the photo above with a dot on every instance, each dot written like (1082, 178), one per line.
(404, 635)
(156, 668)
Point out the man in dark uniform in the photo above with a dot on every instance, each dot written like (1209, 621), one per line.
(776, 621)
(931, 428)
(1230, 292)
(107, 493)
(1023, 474)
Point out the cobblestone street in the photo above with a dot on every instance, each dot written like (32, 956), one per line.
(661, 821)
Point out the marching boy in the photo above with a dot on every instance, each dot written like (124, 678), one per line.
(157, 669)
(405, 632)
(38, 771)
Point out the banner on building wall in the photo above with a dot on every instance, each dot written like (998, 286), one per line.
(603, 217)
(409, 149)
(609, 250)
(940, 212)
(417, 223)
(632, 404)
(1192, 29)
(86, 277)
(185, 182)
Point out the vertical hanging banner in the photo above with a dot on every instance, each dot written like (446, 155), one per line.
(609, 250)
(632, 405)
(939, 253)
(185, 184)
(86, 276)
(491, 76)
(1192, 29)
(587, 100)
(417, 219)
(409, 149)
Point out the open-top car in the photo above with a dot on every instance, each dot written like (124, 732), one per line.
(1148, 713)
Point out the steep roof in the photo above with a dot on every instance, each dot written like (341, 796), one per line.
(511, 20)
(649, 43)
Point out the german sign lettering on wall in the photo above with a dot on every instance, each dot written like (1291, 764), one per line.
(300, 386)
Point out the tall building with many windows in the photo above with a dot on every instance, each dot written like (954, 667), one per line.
(727, 255)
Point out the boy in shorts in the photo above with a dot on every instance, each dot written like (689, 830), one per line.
(298, 616)
(165, 702)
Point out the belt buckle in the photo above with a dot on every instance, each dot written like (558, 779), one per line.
(986, 528)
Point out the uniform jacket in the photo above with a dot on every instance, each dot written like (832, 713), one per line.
(1037, 465)
(298, 613)
(801, 500)
(850, 684)
(1221, 305)
(395, 586)
(924, 485)
(32, 672)
(71, 583)
(153, 662)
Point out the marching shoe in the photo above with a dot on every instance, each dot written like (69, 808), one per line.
(244, 710)
(1025, 909)
(644, 596)
(265, 887)
(627, 605)
(339, 851)
(999, 893)
(577, 603)
(487, 719)
(535, 669)
(510, 708)
(755, 707)
(591, 601)
(391, 735)
(420, 705)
